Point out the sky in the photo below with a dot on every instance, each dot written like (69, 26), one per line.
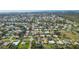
(27, 5)
(38, 5)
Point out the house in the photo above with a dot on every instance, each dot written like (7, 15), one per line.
(1, 32)
(16, 36)
(66, 41)
(3, 37)
(16, 42)
(42, 35)
(51, 42)
(1, 41)
(76, 43)
(55, 36)
(5, 43)
(31, 39)
(45, 41)
(48, 35)
(59, 42)
(22, 43)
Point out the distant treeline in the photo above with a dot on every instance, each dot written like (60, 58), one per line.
(72, 17)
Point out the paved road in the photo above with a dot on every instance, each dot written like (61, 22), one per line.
(31, 38)
(11, 39)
